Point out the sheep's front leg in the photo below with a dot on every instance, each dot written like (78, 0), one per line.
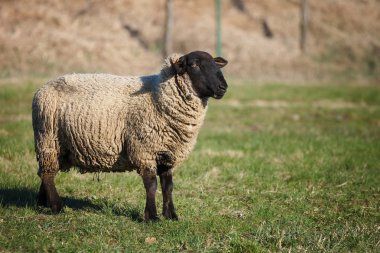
(168, 210)
(150, 183)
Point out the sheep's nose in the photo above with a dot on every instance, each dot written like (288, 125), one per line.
(222, 87)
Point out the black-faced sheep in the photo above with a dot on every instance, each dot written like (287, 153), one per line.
(101, 122)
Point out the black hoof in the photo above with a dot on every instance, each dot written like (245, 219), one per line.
(154, 219)
(170, 215)
(56, 208)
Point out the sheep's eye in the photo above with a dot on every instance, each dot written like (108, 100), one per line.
(194, 65)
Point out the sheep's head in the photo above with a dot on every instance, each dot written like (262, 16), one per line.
(204, 72)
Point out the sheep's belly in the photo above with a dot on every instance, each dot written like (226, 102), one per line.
(119, 165)
(100, 162)
(93, 136)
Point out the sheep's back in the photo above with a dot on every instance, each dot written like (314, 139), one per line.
(92, 113)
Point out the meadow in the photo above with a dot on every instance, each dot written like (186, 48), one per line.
(277, 168)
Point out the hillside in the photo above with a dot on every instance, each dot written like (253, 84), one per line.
(124, 36)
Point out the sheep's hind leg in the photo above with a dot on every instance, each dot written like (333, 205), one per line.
(48, 194)
(168, 210)
(150, 183)
(41, 197)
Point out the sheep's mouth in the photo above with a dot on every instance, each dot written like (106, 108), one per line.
(222, 86)
(220, 93)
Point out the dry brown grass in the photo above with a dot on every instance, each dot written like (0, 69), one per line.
(51, 37)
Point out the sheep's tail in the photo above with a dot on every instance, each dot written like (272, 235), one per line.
(44, 120)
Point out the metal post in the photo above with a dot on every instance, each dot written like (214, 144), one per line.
(304, 25)
(218, 28)
(168, 43)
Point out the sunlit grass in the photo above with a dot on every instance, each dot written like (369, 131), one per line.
(276, 168)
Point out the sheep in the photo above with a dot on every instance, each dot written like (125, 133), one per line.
(109, 123)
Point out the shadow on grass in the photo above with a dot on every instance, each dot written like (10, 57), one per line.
(25, 197)
(19, 197)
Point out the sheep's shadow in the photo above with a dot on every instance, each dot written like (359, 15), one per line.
(26, 197)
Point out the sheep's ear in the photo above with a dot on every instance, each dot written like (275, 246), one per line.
(180, 65)
(221, 62)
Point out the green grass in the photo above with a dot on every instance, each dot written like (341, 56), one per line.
(276, 168)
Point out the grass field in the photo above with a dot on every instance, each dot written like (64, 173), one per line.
(290, 168)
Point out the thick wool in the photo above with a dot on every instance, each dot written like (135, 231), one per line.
(108, 123)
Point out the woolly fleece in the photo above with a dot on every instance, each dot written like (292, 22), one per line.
(108, 123)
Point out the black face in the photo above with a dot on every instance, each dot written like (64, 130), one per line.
(204, 72)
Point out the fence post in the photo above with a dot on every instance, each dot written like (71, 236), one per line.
(168, 43)
(303, 25)
(218, 28)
